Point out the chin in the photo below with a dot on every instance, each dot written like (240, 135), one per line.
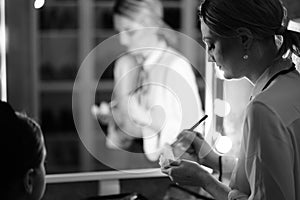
(231, 77)
(228, 76)
(225, 75)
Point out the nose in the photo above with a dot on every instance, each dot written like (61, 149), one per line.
(211, 58)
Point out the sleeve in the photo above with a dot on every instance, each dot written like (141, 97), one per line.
(268, 155)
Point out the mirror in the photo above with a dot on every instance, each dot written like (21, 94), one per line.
(75, 52)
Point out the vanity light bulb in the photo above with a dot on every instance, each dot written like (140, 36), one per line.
(38, 4)
(223, 144)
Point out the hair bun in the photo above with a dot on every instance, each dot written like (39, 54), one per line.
(8, 117)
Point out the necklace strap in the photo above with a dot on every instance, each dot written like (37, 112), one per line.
(278, 74)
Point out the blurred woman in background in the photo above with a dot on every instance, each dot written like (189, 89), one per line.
(155, 94)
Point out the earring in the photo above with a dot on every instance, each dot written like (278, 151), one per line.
(245, 57)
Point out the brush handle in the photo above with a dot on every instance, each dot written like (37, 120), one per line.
(199, 122)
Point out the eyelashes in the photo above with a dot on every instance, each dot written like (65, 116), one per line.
(209, 46)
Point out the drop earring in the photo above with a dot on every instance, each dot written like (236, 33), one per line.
(245, 57)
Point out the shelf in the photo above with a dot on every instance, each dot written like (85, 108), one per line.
(104, 33)
(60, 4)
(104, 4)
(171, 4)
(67, 86)
(57, 86)
(108, 175)
(58, 17)
(167, 4)
(71, 33)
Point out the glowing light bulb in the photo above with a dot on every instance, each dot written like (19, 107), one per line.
(38, 4)
(222, 108)
(223, 144)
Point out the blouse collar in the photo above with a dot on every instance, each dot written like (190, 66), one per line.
(281, 64)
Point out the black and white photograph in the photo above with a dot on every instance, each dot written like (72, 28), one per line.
(150, 99)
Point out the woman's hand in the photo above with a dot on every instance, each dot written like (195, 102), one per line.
(190, 173)
(198, 146)
(102, 112)
(185, 172)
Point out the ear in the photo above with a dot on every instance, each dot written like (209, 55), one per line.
(28, 181)
(245, 36)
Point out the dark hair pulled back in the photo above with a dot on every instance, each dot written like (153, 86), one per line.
(264, 19)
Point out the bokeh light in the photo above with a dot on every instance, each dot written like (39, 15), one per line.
(223, 144)
(38, 4)
(222, 108)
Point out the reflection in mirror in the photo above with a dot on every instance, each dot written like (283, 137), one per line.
(173, 99)
(64, 33)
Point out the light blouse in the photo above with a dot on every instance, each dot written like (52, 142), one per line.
(269, 161)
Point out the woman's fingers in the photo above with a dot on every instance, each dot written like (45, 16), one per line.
(186, 173)
(186, 133)
(175, 162)
(169, 168)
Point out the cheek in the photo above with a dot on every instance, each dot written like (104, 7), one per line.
(218, 55)
(231, 53)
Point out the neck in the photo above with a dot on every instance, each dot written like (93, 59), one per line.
(263, 59)
(158, 44)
